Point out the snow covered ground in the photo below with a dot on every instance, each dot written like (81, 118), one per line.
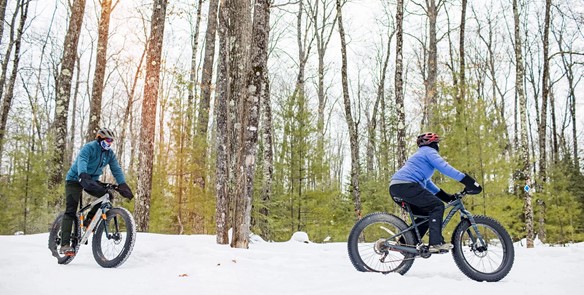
(169, 264)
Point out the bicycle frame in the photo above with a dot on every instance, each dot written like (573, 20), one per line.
(105, 206)
(456, 206)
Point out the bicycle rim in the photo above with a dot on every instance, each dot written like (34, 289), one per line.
(481, 260)
(114, 238)
(376, 256)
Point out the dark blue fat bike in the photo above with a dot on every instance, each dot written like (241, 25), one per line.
(113, 230)
(383, 242)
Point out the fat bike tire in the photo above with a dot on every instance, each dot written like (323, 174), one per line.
(55, 239)
(490, 262)
(114, 238)
(365, 244)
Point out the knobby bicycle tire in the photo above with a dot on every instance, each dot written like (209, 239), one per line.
(362, 249)
(55, 239)
(113, 250)
(491, 264)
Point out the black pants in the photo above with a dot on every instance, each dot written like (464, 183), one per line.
(422, 202)
(73, 191)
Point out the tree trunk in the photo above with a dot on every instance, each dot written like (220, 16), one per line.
(63, 84)
(193, 74)
(223, 152)
(399, 85)
(100, 65)
(544, 96)
(372, 122)
(75, 96)
(9, 95)
(207, 76)
(524, 173)
(320, 15)
(462, 81)
(355, 168)
(3, 4)
(127, 119)
(148, 122)
(268, 158)
(248, 108)
(432, 66)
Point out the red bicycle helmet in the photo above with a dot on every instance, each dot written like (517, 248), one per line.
(427, 138)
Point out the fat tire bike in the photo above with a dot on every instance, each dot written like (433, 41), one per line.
(384, 243)
(113, 230)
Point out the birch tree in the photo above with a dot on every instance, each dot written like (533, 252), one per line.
(223, 170)
(542, 128)
(399, 85)
(524, 172)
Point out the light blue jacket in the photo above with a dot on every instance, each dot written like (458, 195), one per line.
(92, 159)
(420, 167)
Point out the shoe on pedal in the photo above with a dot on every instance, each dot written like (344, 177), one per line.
(440, 248)
(67, 250)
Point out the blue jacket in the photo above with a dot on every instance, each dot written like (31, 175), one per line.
(92, 159)
(421, 165)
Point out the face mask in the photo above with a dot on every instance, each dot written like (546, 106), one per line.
(104, 145)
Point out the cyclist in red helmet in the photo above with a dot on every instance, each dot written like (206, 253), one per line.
(412, 183)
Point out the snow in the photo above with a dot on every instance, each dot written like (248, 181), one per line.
(171, 264)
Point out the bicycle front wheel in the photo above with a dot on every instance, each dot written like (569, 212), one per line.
(114, 238)
(490, 260)
(366, 245)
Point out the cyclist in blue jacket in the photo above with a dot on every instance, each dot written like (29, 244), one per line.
(84, 175)
(412, 183)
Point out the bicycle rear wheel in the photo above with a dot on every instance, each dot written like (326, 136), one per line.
(490, 262)
(55, 239)
(365, 245)
(114, 238)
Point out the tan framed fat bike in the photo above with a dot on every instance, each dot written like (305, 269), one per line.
(112, 231)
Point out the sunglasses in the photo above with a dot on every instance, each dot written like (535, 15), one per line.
(109, 140)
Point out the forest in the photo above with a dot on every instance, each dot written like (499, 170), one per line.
(269, 117)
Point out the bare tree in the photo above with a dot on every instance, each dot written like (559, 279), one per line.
(260, 83)
(461, 55)
(524, 172)
(100, 65)
(248, 106)
(63, 86)
(3, 4)
(207, 76)
(379, 99)
(323, 17)
(22, 9)
(431, 9)
(399, 85)
(193, 74)
(565, 46)
(353, 126)
(223, 140)
(148, 123)
(542, 128)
